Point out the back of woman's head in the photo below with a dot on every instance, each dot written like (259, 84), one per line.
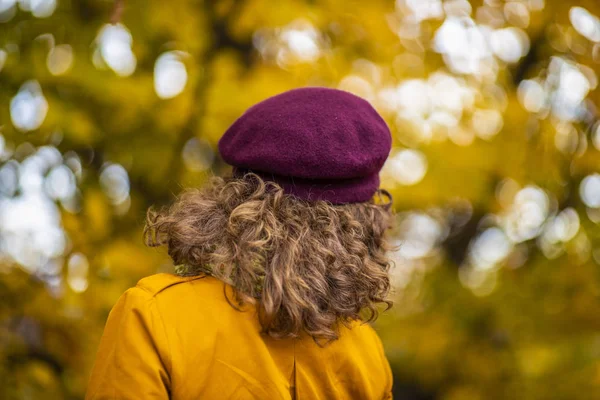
(308, 266)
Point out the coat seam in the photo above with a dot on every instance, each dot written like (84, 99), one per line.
(164, 328)
(154, 293)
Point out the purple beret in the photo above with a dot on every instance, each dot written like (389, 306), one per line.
(317, 143)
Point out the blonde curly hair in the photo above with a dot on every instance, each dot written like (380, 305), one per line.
(308, 266)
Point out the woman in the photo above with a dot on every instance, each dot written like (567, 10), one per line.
(280, 266)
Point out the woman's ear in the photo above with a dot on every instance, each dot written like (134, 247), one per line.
(386, 203)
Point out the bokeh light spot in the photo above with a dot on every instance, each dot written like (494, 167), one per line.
(60, 59)
(198, 155)
(60, 183)
(510, 44)
(487, 123)
(115, 183)
(585, 23)
(419, 234)
(170, 75)
(114, 44)
(29, 107)
(407, 166)
(77, 272)
(490, 248)
(589, 190)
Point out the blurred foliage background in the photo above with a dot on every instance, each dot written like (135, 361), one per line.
(107, 108)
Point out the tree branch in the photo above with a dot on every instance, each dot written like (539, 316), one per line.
(221, 39)
(117, 12)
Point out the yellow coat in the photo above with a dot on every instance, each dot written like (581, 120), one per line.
(178, 338)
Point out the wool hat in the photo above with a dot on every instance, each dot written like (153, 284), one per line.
(317, 143)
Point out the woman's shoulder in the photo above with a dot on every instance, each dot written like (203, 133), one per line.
(157, 283)
(176, 289)
(187, 304)
(179, 293)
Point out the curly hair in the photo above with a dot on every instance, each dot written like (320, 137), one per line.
(308, 266)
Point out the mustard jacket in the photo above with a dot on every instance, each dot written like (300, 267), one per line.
(178, 338)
